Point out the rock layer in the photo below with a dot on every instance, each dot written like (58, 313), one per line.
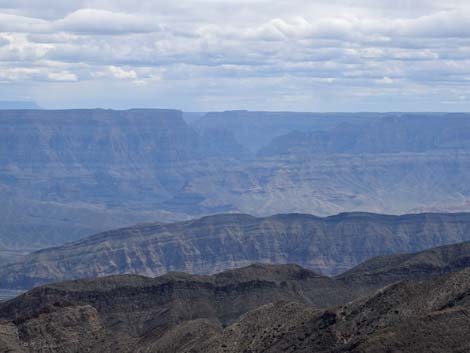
(328, 245)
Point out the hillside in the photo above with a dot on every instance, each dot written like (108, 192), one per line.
(128, 313)
(420, 265)
(329, 245)
(259, 308)
(408, 317)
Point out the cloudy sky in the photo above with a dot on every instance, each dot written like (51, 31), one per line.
(200, 55)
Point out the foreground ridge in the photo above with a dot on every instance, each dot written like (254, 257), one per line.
(258, 308)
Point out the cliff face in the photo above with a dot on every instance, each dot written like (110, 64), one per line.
(328, 245)
(65, 174)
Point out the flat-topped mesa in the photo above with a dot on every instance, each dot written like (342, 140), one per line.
(212, 244)
(62, 116)
(87, 136)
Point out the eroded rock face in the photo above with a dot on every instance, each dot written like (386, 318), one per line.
(328, 245)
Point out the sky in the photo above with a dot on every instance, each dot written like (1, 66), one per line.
(208, 55)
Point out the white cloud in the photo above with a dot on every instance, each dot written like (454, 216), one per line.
(15, 74)
(62, 76)
(84, 21)
(121, 73)
(386, 81)
(105, 22)
(368, 47)
(14, 23)
(445, 24)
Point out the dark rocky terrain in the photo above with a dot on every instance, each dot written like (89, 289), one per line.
(420, 265)
(211, 244)
(430, 316)
(132, 313)
(69, 174)
(259, 308)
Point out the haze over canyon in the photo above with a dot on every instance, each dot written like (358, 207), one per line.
(67, 174)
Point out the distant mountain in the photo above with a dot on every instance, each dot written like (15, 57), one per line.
(259, 308)
(254, 130)
(191, 117)
(68, 174)
(13, 105)
(416, 133)
(65, 174)
(328, 245)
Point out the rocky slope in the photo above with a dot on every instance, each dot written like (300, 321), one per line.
(430, 316)
(420, 265)
(328, 245)
(133, 313)
(259, 308)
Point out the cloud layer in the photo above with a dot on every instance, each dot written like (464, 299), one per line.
(207, 55)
